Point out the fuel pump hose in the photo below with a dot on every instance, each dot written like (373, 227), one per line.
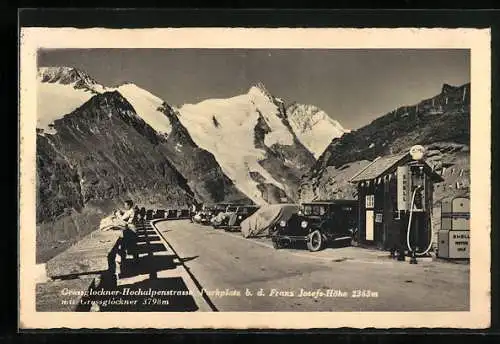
(409, 227)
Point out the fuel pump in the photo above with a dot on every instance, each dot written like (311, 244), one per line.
(413, 203)
(418, 207)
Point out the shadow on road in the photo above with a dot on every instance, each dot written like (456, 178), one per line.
(148, 239)
(146, 232)
(164, 294)
(150, 248)
(159, 292)
(147, 265)
(151, 265)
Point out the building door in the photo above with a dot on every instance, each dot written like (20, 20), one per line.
(370, 224)
(370, 217)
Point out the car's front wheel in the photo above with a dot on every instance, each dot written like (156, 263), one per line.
(315, 241)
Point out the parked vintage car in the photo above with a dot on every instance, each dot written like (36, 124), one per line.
(220, 208)
(242, 212)
(222, 218)
(318, 223)
(205, 215)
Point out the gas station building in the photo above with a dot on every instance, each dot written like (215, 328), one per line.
(392, 191)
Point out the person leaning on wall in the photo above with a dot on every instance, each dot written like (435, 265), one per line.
(129, 234)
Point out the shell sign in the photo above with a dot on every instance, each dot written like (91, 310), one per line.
(417, 152)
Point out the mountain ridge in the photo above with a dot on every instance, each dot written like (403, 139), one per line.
(279, 160)
(440, 123)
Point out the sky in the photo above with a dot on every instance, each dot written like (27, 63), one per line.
(352, 86)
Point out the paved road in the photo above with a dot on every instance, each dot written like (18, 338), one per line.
(228, 263)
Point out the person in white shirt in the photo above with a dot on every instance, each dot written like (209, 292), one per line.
(129, 239)
(127, 215)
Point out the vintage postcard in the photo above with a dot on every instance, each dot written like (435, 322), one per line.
(254, 178)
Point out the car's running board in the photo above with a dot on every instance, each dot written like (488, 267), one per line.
(342, 238)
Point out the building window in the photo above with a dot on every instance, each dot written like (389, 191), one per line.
(369, 201)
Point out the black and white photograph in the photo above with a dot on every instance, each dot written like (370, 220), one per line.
(187, 179)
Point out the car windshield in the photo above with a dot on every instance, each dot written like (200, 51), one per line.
(314, 209)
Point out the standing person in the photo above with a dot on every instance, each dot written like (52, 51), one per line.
(129, 236)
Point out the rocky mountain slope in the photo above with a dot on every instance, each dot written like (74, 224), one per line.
(101, 151)
(63, 89)
(96, 148)
(441, 123)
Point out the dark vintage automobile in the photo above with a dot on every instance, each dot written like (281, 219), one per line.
(233, 222)
(318, 223)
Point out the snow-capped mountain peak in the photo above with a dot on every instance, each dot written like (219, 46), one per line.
(259, 90)
(313, 127)
(68, 76)
(229, 129)
(255, 92)
(64, 89)
(61, 90)
(147, 106)
(259, 87)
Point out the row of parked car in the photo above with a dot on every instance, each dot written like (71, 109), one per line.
(224, 215)
(153, 214)
(317, 223)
